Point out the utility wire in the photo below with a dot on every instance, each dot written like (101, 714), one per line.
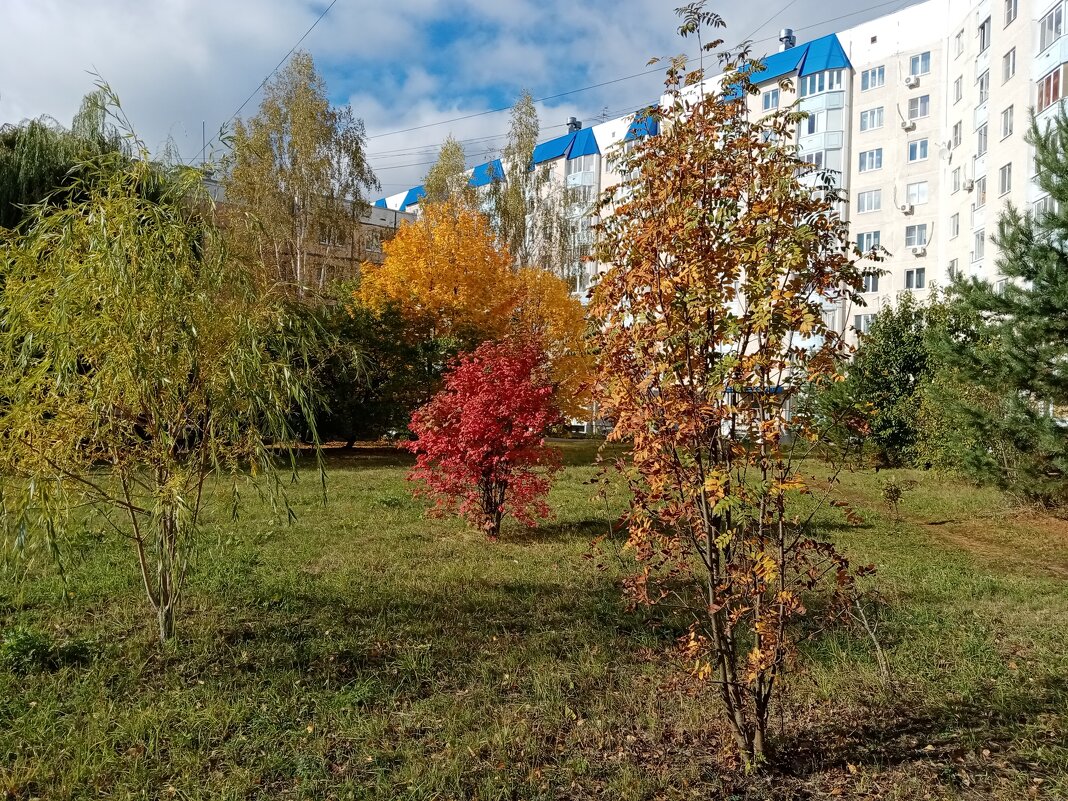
(269, 76)
(646, 72)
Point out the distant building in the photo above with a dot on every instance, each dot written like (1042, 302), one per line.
(922, 112)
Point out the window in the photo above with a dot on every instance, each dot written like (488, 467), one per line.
(871, 282)
(372, 241)
(1008, 65)
(862, 322)
(956, 179)
(916, 278)
(872, 200)
(814, 123)
(920, 64)
(331, 236)
(871, 119)
(918, 150)
(984, 35)
(916, 235)
(1050, 27)
(868, 241)
(957, 129)
(815, 158)
(1005, 179)
(953, 270)
(1006, 122)
(771, 99)
(1046, 205)
(980, 193)
(954, 226)
(957, 89)
(919, 107)
(871, 160)
(984, 87)
(916, 193)
(983, 140)
(958, 44)
(980, 245)
(821, 82)
(873, 78)
(1010, 11)
(1049, 90)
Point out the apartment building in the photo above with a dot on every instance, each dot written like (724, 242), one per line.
(922, 112)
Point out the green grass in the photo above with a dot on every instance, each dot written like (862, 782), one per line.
(368, 651)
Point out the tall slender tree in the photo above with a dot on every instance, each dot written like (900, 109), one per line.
(447, 179)
(298, 177)
(536, 217)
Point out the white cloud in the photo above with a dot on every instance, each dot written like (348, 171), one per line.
(403, 64)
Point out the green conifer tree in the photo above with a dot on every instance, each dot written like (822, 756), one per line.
(1010, 394)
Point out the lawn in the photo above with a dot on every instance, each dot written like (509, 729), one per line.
(366, 651)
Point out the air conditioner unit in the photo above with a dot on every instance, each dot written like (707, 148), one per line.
(905, 208)
(969, 185)
(918, 250)
(907, 125)
(911, 81)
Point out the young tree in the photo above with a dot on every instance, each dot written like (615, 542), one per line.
(890, 373)
(447, 179)
(137, 362)
(536, 218)
(481, 440)
(1013, 359)
(710, 319)
(297, 177)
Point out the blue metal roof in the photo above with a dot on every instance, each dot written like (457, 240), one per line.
(413, 197)
(821, 54)
(553, 149)
(584, 144)
(487, 173)
(825, 53)
(643, 125)
(779, 65)
(381, 203)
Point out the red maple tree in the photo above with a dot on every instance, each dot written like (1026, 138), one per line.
(481, 448)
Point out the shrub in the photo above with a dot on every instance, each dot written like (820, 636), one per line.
(481, 440)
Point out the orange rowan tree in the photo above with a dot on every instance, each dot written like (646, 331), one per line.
(726, 251)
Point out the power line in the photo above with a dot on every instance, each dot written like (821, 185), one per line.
(269, 75)
(646, 72)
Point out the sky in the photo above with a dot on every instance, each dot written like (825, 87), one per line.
(182, 66)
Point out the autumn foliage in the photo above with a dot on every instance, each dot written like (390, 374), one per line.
(449, 278)
(728, 257)
(481, 448)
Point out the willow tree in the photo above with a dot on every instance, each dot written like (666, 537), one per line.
(139, 365)
(710, 320)
(37, 156)
(297, 178)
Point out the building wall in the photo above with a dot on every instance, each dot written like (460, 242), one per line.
(948, 153)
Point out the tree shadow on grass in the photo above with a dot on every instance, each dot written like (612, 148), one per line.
(977, 740)
(561, 531)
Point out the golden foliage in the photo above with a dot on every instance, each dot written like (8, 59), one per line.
(450, 280)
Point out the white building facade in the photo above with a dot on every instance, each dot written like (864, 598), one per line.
(923, 114)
